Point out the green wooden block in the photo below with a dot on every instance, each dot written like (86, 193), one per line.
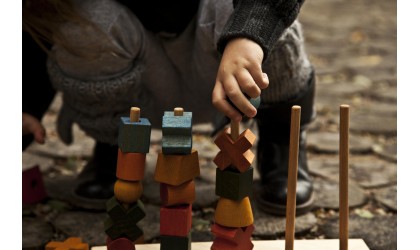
(121, 222)
(134, 137)
(168, 242)
(232, 184)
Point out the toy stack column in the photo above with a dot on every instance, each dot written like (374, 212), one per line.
(234, 220)
(177, 166)
(125, 209)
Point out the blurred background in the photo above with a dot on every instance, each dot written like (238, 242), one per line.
(353, 46)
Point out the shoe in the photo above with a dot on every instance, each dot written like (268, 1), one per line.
(273, 154)
(97, 179)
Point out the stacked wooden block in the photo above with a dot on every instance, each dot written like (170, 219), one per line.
(234, 220)
(125, 209)
(176, 168)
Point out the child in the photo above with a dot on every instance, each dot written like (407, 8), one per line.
(109, 55)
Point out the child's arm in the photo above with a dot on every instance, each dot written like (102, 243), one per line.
(246, 41)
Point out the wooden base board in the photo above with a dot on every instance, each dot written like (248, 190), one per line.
(333, 244)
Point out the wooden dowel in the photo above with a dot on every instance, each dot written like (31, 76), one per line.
(234, 130)
(178, 111)
(292, 178)
(344, 177)
(134, 114)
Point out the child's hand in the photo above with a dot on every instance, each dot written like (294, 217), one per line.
(31, 125)
(239, 72)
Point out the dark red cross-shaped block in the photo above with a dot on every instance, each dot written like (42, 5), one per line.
(232, 238)
(235, 153)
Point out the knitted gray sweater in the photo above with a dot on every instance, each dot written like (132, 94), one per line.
(97, 92)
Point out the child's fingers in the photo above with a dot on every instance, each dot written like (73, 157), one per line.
(31, 125)
(247, 84)
(220, 102)
(260, 78)
(234, 93)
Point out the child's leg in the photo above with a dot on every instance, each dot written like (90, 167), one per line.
(292, 82)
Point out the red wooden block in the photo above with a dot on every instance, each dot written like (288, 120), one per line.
(130, 166)
(176, 195)
(175, 221)
(228, 238)
(235, 153)
(33, 189)
(72, 243)
(119, 244)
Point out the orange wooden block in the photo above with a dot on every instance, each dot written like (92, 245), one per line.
(177, 169)
(229, 238)
(235, 153)
(72, 243)
(128, 191)
(130, 166)
(230, 213)
(174, 195)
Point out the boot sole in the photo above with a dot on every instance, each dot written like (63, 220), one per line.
(278, 209)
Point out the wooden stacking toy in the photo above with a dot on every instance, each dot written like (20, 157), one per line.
(125, 208)
(177, 166)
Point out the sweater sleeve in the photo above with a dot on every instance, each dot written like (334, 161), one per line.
(262, 21)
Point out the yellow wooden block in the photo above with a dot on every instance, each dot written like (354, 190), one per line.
(230, 213)
(128, 191)
(177, 169)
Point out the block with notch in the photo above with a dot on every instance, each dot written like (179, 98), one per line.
(176, 133)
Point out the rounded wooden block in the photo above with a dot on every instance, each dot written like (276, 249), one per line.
(174, 195)
(177, 169)
(130, 166)
(120, 244)
(231, 213)
(128, 191)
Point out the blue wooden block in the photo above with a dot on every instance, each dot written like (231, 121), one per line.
(176, 133)
(134, 137)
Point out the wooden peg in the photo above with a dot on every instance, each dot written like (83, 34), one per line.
(178, 111)
(234, 130)
(292, 178)
(344, 175)
(134, 114)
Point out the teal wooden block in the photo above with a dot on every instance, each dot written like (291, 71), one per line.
(134, 137)
(176, 133)
(121, 222)
(177, 125)
(232, 184)
(168, 242)
(176, 145)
